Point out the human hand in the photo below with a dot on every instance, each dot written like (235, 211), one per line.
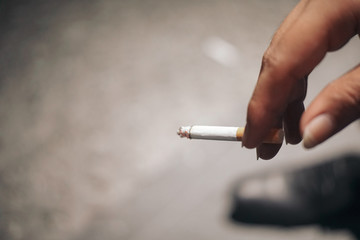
(313, 28)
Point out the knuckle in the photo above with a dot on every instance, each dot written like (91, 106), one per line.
(269, 61)
(348, 98)
(263, 110)
(353, 98)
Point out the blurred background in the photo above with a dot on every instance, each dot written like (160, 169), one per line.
(92, 93)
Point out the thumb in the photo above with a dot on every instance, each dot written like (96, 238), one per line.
(333, 109)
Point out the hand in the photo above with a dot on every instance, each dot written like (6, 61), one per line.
(313, 28)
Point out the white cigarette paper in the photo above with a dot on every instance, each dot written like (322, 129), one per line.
(275, 136)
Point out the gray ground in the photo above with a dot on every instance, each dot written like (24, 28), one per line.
(91, 96)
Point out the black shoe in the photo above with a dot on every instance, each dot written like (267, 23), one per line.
(327, 193)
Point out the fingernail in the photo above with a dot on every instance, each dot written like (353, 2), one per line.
(317, 130)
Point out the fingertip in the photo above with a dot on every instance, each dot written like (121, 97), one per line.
(309, 141)
(318, 130)
(292, 118)
(267, 151)
(245, 141)
(253, 133)
(249, 140)
(293, 140)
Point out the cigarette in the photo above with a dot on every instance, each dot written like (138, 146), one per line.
(275, 136)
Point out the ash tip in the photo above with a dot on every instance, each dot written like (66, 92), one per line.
(184, 132)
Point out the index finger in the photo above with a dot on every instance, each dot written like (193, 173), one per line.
(311, 29)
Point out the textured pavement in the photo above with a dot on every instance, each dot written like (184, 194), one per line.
(91, 95)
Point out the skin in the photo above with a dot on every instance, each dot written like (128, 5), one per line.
(313, 28)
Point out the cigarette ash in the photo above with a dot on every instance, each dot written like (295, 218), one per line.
(184, 132)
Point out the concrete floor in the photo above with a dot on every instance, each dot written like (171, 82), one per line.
(91, 95)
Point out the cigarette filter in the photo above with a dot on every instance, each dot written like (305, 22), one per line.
(275, 136)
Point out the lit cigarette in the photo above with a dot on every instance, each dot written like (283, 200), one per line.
(275, 136)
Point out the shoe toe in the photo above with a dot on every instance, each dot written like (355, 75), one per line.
(268, 200)
(302, 196)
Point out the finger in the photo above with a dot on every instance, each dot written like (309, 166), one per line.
(267, 151)
(287, 23)
(293, 113)
(292, 122)
(291, 55)
(333, 109)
